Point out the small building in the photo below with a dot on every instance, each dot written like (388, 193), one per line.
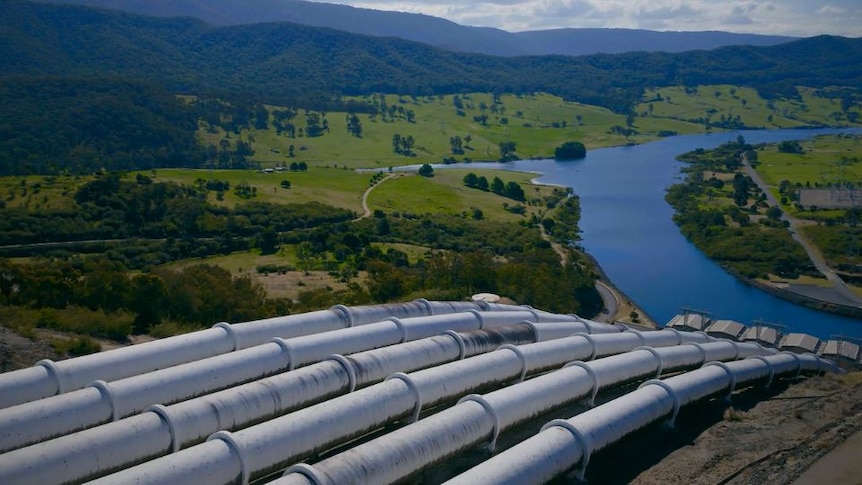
(845, 353)
(726, 329)
(800, 343)
(766, 336)
(689, 322)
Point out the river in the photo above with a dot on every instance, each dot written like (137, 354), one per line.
(627, 227)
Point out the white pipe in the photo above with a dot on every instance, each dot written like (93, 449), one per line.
(284, 440)
(48, 378)
(563, 444)
(57, 415)
(93, 452)
(475, 419)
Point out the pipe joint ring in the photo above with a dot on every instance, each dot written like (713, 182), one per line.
(592, 373)
(638, 333)
(348, 367)
(670, 392)
(735, 348)
(414, 389)
(521, 358)
(579, 437)
(54, 372)
(700, 348)
(533, 327)
(731, 376)
(107, 393)
(228, 438)
(768, 366)
(675, 332)
(479, 318)
(429, 310)
(491, 411)
(659, 368)
(592, 343)
(307, 471)
(344, 314)
(228, 329)
(163, 413)
(401, 327)
(288, 352)
(462, 347)
(796, 359)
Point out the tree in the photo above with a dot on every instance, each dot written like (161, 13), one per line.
(396, 143)
(570, 150)
(482, 183)
(514, 191)
(471, 180)
(497, 186)
(354, 125)
(426, 170)
(267, 241)
(456, 144)
(507, 149)
(774, 213)
(147, 297)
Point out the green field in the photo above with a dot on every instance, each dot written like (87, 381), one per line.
(536, 123)
(826, 160)
(696, 105)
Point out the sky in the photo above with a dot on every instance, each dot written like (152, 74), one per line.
(799, 18)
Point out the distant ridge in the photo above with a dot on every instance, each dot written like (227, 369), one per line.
(432, 30)
(275, 62)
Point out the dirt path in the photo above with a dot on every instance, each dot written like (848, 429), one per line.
(366, 212)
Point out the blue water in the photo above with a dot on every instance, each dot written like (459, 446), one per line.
(627, 228)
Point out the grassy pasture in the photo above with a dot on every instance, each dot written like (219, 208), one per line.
(446, 193)
(693, 104)
(537, 123)
(337, 187)
(826, 160)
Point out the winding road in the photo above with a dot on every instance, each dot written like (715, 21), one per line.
(838, 284)
(366, 210)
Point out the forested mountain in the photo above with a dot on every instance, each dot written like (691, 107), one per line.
(432, 30)
(283, 63)
(76, 125)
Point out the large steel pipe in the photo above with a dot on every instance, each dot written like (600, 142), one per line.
(57, 415)
(95, 451)
(287, 439)
(48, 378)
(563, 444)
(478, 419)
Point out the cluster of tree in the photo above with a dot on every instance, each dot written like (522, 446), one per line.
(354, 125)
(726, 234)
(403, 145)
(507, 150)
(230, 114)
(110, 207)
(570, 150)
(80, 126)
(458, 144)
(230, 155)
(512, 190)
(790, 146)
(324, 63)
(197, 294)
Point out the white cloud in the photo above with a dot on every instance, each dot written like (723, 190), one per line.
(786, 17)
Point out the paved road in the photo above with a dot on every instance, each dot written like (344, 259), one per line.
(813, 253)
(612, 304)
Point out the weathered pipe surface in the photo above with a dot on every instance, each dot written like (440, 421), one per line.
(564, 444)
